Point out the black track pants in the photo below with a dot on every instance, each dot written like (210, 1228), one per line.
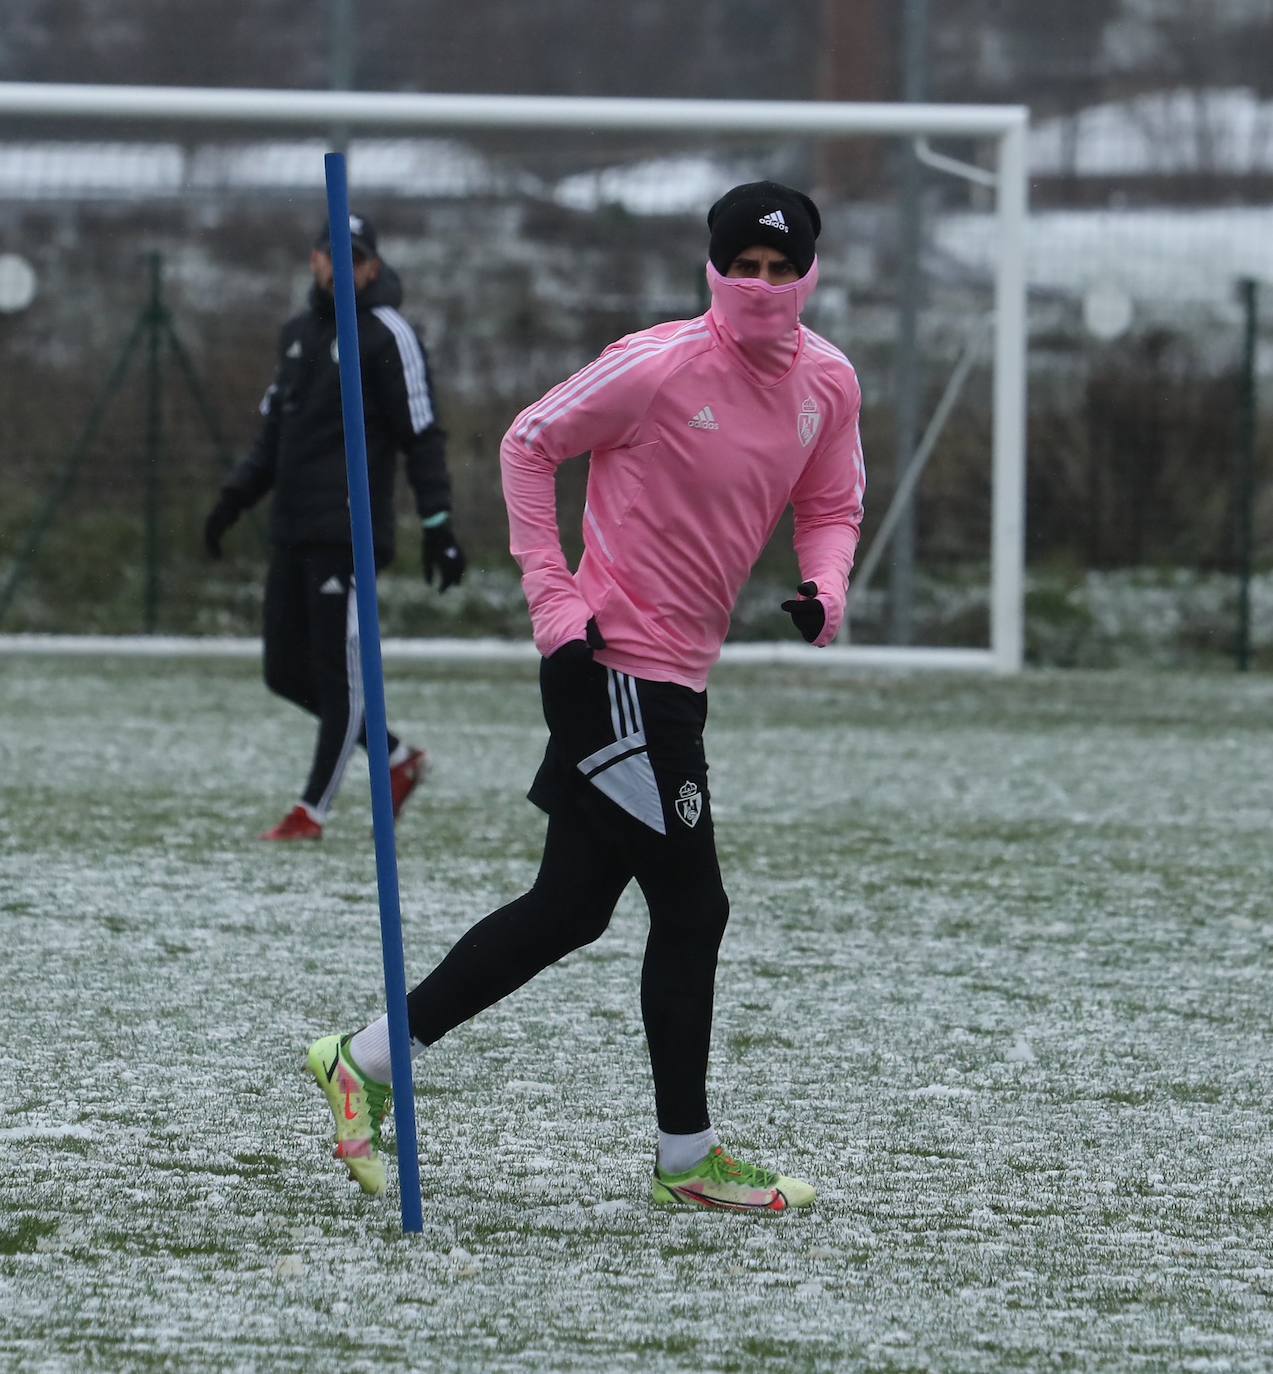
(594, 847)
(311, 656)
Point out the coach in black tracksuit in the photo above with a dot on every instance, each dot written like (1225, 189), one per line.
(310, 629)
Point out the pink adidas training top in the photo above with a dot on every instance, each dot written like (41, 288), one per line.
(694, 459)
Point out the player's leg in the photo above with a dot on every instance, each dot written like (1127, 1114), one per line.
(408, 767)
(359, 1105)
(688, 912)
(579, 883)
(287, 664)
(580, 879)
(332, 670)
(679, 875)
(336, 671)
(285, 630)
(581, 876)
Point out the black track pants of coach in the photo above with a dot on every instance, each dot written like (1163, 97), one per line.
(311, 655)
(581, 877)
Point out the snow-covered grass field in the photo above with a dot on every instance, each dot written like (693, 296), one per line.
(997, 979)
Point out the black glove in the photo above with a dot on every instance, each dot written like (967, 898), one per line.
(580, 650)
(222, 516)
(442, 555)
(808, 612)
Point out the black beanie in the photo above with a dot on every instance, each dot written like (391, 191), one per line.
(763, 212)
(362, 237)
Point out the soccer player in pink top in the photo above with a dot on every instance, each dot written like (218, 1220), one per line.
(702, 432)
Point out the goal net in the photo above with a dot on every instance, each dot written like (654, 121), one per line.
(153, 240)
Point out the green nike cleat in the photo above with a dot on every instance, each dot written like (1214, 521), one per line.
(729, 1185)
(359, 1105)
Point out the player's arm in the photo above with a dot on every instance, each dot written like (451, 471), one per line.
(599, 407)
(827, 501)
(253, 475)
(399, 371)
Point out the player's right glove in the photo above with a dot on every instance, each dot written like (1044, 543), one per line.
(807, 611)
(442, 556)
(220, 518)
(580, 650)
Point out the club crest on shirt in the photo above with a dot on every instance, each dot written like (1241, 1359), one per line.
(689, 804)
(808, 422)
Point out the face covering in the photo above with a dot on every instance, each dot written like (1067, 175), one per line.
(754, 313)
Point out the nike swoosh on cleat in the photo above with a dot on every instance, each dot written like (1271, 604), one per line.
(777, 1204)
(349, 1116)
(331, 1073)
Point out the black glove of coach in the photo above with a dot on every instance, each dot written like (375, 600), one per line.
(581, 650)
(443, 556)
(227, 510)
(807, 611)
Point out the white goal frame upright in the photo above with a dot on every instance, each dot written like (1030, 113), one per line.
(1006, 125)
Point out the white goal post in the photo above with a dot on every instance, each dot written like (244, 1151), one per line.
(1003, 127)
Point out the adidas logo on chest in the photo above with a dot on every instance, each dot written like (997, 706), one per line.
(704, 419)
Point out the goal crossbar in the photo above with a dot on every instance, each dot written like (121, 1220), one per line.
(392, 109)
(1005, 124)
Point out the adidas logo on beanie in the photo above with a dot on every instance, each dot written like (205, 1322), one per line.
(763, 212)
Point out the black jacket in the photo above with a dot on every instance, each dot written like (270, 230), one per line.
(299, 453)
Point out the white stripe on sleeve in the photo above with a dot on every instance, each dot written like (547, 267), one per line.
(592, 380)
(599, 367)
(413, 368)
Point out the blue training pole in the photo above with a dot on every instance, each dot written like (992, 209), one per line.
(373, 689)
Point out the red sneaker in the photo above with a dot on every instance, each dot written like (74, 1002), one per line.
(406, 776)
(298, 824)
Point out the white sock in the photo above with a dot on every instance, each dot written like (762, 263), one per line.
(400, 755)
(680, 1152)
(369, 1049)
(315, 815)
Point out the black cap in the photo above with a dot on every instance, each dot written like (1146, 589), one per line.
(361, 234)
(763, 212)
